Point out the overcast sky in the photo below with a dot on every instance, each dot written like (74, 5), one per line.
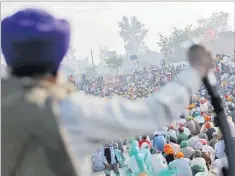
(94, 24)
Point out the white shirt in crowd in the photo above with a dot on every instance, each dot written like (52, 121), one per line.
(159, 163)
(220, 149)
(221, 163)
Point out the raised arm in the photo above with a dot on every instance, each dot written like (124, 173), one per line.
(115, 118)
(98, 120)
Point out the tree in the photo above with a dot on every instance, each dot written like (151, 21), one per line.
(114, 62)
(133, 33)
(215, 21)
(171, 45)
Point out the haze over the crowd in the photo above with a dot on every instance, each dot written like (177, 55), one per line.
(94, 24)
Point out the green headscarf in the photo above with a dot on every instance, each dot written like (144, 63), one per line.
(195, 114)
(197, 168)
(184, 144)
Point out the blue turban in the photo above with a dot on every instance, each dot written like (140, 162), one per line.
(159, 142)
(32, 36)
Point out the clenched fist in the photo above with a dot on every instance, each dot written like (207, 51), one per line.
(200, 59)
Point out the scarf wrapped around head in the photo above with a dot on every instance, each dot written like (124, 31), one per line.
(191, 106)
(208, 125)
(34, 37)
(207, 118)
(168, 150)
(184, 144)
(179, 155)
(197, 168)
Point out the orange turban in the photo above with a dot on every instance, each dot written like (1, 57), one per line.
(191, 106)
(168, 150)
(179, 155)
(208, 125)
(207, 118)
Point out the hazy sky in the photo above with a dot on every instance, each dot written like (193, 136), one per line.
(94, 24)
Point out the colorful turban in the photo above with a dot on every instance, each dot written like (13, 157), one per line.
(179, 155)
(184, 144)
(207, 118)
(34, 37)
(209, 125)
(167, 149)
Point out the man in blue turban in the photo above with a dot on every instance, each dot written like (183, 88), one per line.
(48, 119)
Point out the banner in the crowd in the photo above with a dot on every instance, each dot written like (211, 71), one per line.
(209, 34)
(111, 80)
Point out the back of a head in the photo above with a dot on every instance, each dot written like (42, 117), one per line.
(172, 139)
(179, 155)
(181, 130)
(197, 168)
(34, 42)
(183, 144)
(144, 137)
(197, 153)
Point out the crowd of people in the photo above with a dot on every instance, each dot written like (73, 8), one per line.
(59, 125)
(191, 146)
(140, 84)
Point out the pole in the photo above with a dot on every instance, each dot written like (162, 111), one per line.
(93, 65)
(79, 67)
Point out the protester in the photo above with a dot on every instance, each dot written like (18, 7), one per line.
(182, 136)
(158, 163)
(209, 131)
(174, 145)
(220, 148)
(168, 153)
(135, 163)
(187, 151)
(181, 165)
(199, 160)
(159, 142)
(196, 169)
(28, 55)
(145, 140)
(119, 155)
(109, 160)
